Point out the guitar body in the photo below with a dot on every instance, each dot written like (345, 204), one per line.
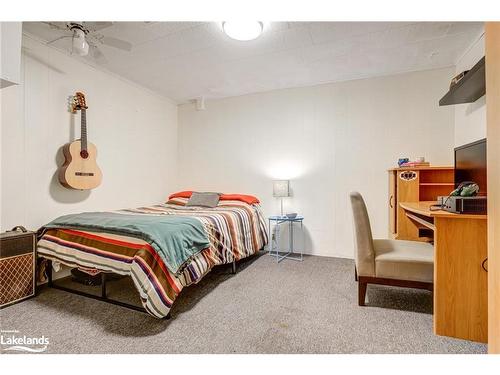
(80, 172)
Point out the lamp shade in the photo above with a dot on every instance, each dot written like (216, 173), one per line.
(281, 188)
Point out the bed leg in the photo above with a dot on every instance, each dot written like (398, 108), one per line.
(233, 267)
(48, 270)
(103, 285)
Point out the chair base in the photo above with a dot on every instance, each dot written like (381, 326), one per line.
(363, 282)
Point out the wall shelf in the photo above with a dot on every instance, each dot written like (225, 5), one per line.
(469, 89)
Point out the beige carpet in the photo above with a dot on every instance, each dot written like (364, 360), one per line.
(291, 307)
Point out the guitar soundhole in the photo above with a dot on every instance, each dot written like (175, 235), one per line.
(84, 154)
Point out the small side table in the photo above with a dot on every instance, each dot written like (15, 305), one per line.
(274, 250)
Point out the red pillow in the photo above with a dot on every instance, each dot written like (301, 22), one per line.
(249, 199)
(181, 194)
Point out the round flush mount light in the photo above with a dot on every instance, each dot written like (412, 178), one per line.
(243, 30)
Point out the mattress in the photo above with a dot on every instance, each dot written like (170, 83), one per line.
(235, 231)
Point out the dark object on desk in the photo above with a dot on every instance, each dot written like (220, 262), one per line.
(470, 165)
(291, 215)
(17, 266)
(464, 205)
(470, 88)
(466, 189)
(470, 180)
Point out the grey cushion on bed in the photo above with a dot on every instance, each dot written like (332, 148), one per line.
(203, 199)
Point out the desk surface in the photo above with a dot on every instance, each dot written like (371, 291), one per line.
(423, 208)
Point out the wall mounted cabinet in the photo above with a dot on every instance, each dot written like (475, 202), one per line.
(469, 89)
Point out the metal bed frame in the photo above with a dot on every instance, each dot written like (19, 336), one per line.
(103, 297)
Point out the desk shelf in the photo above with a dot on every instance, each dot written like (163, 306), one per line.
(424, 184)
(421, 221)
(431, 192)
(437, 184)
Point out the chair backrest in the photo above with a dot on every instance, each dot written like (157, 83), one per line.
(364, 252)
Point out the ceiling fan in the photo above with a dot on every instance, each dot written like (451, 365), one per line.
(86, 38)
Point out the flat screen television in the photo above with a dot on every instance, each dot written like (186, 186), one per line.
(470, 164)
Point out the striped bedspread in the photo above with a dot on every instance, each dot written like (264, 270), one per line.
(235, 230)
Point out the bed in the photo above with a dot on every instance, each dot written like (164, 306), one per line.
(233, 230)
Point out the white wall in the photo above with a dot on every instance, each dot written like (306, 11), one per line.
(329, 140)
(470, 118)
(134, 130)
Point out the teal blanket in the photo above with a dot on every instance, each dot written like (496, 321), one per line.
(175, 238)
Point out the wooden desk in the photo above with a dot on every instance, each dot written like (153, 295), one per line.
(460, 282)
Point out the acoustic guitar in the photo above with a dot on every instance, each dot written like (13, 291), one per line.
(80, 170)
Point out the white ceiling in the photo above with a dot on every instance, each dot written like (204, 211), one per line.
(187, 60)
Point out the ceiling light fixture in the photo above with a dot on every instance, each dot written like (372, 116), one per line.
(243, 30)
(80, 45)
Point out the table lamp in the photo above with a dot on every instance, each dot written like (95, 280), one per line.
(281, 189)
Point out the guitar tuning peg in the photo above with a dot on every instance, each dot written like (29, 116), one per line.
(71, 104)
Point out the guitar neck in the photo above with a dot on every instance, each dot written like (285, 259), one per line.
(84, 129)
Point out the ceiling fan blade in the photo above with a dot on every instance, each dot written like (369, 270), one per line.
(116, 43)
(57, 25)
(61, 37)
(96, 26)
(97, 54)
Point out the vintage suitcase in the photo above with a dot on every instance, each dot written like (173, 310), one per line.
(17, 266)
